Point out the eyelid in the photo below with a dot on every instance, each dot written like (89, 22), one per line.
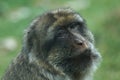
(60, 33)
(74, 24)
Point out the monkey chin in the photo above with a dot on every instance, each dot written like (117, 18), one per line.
(83, 64)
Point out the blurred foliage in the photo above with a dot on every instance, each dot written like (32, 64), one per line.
(103, 19)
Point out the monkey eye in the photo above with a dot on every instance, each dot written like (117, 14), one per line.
(74, 25)
(60, 34)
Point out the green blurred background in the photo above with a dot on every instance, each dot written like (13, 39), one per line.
(102, 16)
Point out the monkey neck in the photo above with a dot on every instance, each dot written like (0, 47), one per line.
(53, 72)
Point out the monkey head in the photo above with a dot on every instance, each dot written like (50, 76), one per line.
(61, 38)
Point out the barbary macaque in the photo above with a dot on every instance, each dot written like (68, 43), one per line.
(57, 46)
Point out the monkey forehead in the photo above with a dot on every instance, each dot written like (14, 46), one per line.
(55, 18)
(66, 16)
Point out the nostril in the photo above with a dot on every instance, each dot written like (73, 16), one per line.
(80, 43)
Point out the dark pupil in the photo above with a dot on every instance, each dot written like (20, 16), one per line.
(73, 25)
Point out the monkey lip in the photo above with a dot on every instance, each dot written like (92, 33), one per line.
(86, 55)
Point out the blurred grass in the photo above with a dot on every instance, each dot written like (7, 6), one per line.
(103, 19)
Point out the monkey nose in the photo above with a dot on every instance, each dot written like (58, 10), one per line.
(82, 45)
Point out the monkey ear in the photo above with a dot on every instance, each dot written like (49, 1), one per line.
(29, 39)
(29, 36)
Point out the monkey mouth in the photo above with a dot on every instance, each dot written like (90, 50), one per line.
(83, 59)
(86, 54)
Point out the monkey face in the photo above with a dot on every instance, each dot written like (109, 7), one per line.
(63, 39)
